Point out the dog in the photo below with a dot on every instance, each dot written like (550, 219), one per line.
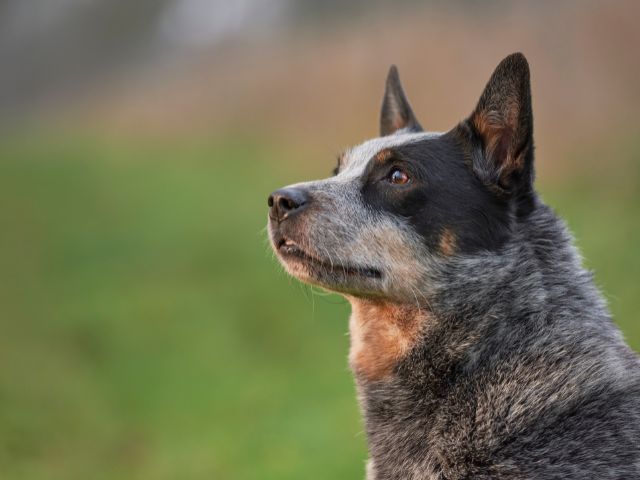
(480, 346)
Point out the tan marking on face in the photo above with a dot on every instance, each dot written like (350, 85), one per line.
(382, 334)
(383, 155)
(448, 242)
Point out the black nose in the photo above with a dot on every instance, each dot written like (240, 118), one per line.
(285, 202)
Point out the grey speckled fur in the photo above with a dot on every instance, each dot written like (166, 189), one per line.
(518, 371)
(547, 389)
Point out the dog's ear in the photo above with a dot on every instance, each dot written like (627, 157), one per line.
(502, 126)
(396, 113)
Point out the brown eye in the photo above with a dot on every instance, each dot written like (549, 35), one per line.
(398, 177)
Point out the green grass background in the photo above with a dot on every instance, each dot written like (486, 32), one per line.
(146, 332)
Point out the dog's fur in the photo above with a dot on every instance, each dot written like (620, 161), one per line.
(480, 345)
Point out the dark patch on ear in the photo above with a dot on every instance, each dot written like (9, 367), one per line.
(396, 112)
(502, 125)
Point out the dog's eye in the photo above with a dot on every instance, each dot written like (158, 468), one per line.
(398, 177)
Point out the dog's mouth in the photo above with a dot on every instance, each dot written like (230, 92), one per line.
(288, 249)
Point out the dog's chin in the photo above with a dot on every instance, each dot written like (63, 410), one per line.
(336, 276)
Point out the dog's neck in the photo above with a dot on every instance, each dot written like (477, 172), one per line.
(403, 357)
(403, 343)
(456, 308)
(382, 333)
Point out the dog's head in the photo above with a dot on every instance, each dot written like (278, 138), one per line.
(403, 206)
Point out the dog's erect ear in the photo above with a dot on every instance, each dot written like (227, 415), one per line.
(396, 113)
(503, 122)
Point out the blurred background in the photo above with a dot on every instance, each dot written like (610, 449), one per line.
(146, 331)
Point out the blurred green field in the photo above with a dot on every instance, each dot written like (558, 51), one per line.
(146, 332)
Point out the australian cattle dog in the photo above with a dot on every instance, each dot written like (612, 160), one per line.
(480, 346)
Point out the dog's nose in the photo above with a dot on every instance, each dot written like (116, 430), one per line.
(285, 202)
